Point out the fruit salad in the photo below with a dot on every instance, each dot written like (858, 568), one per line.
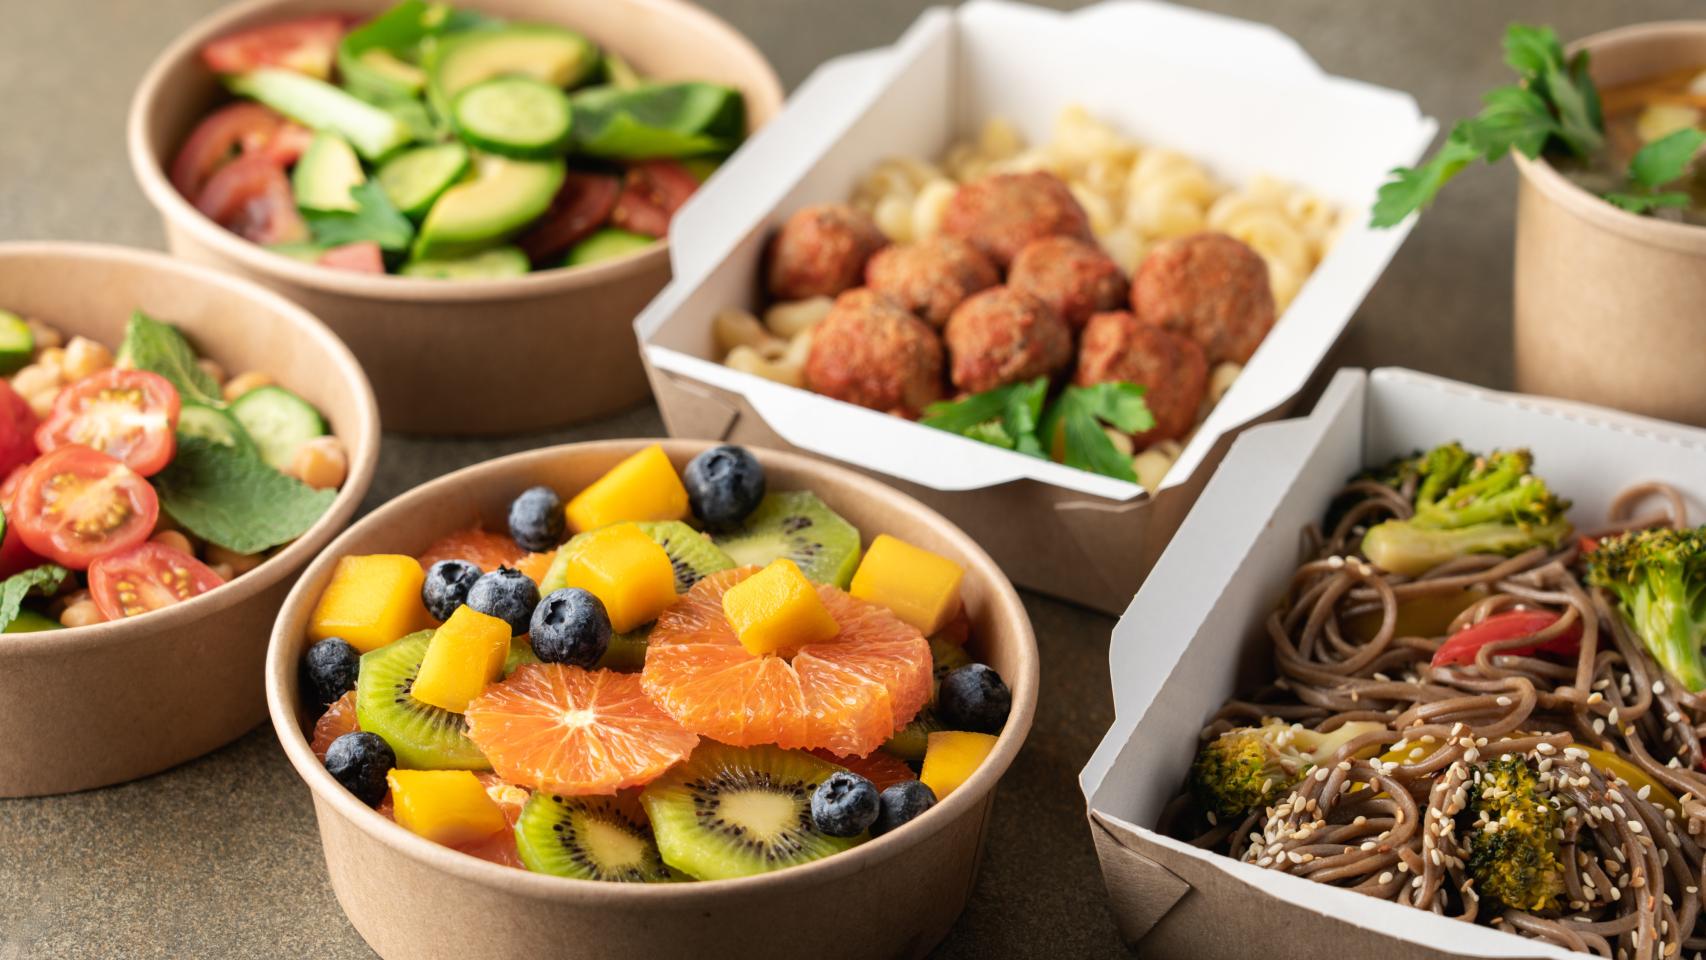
(438, 142)
(143, 479)
(664, 677)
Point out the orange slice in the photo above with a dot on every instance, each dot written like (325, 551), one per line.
(488, 551)
(573, 731)
(846, 695)
(499, 848)
(338, 720)
(883, 769)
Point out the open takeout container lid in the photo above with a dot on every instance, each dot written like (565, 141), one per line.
(1193, 637)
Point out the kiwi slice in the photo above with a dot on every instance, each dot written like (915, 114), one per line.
(909, 741)
(627, 651)
(799, 526)
(944, 657)
(694, 555)
(423, 737)
(520, 653)
(588, 838)
(734, 812)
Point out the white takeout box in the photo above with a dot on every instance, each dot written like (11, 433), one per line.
(1240, 97)
(1193, 637)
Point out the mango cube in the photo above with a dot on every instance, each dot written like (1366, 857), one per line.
(951, 757)
(445, 806)
(626, 570)
(371, 601)
(777, 610)
(920, 587)
(466, 653)
(643, 487)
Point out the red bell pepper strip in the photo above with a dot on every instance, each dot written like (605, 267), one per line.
(1509, 625)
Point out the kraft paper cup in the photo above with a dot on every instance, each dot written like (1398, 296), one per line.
(459, 357)
(896, 896)
(1608, 303)
(91, 706)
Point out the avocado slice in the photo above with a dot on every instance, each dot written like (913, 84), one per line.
(325, 174)
(487, 265)
(553, 55)
(504, 196)
(397, 74)
(373, 132)
(606, 244)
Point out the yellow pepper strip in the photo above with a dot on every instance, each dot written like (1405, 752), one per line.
(1607, 762)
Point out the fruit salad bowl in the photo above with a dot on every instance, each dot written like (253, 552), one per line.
(442, 354)
(897, 894)
(91, 705)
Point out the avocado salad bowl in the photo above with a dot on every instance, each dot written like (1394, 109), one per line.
(639, 698)
(176, 444)
(452, 186)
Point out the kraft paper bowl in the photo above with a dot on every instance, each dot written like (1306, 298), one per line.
(1608, 303)
(91, 706)
(412, 899)
(459, 357)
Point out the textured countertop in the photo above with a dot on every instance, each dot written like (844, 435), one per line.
(220, 858)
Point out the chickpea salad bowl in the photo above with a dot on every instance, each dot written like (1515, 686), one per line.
(174, 446)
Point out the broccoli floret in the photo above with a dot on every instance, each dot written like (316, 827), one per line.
(1247, 768)
(1659, 579)
(1465, 505)
(1513, 847)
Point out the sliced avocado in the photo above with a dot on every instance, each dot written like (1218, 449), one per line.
(399, 74)
(504, 196)
(606, 244)
(486, 265)
(325, 174)
(373, 132)
(306, 252)
(553, 55)
(619, 73)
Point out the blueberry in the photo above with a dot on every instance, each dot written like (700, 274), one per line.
(570, 626)
(724, 484)
(328, 670)
(536, 519)
(507, 594)
(845, 805)
(974, 697)
(901, 803)
(446, 587)
(360, 762)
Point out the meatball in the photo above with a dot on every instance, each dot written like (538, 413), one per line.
(931, 277)
(1118, 346)
(1001, 336)
(1211, 288)
(1003, 212)
(1073, 276)
(872, 352)
(821, 252)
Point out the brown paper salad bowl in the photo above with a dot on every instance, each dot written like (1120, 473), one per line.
(508, 353)
(895, 895)
(91, 705)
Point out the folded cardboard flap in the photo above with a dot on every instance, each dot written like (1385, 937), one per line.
(1140, 890)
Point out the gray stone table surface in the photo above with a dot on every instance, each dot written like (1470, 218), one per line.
(220, 858)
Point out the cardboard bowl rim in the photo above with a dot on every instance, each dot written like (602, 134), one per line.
(361, 443)
(281, 681)
(176, 209)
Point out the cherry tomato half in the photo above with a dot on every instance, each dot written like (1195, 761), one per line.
(129, 415)
(76, 504)
(14, 555)
(652, 191)
(582, 204)
(307, 45)
(147, 577)
(241, 128)
(364, 257)
(251, 197)
(17, 430)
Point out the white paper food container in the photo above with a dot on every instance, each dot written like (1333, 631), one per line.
(1193, 638)
(1241, 97)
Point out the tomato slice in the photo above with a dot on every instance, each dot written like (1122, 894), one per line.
(17, 430)
(652, 191)
(287, 144)
(364, 257)
(76, 504)
(129, 415)
(582, 204)
(240, 128)
(307, 45)
(1510, 625)
(250, 196)
(14, 555)
(147, 577)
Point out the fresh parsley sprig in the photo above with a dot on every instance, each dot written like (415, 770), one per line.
(1012, 417)
(1658, 163)
(374, 219)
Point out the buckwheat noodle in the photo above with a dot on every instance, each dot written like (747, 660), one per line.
(1632, 865)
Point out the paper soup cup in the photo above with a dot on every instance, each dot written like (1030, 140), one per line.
(474, 356)
(90, 706)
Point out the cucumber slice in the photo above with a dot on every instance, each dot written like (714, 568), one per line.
(17, 343)
(32, 621)
(492, 264)
(413, 180)
(216, 426)
(278, 421)
(327, 172)
(606, 244)
(513, 116)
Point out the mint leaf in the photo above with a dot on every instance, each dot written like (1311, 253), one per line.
(1647, 202)
(1413, 188)
(44, 580)
(1665, 159)
(159, 348)
(374, 220)
(225, 496)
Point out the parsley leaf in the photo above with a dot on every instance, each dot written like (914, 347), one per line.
(1413, 188)
(231, 498)
(375, 219)
(44, 579)
(1512, 118)
(1004, 417)
(1074, 426)
(159, 348)
(1646, 202)
(1665, 159)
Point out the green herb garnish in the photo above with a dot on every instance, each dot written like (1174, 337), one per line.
(159, 348)
(375, 219)
(44, 580)
(1012, 417)
(1656, 164)
(229, 497)
(1004, 417)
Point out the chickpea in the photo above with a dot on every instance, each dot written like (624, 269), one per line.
(240, 563)
(212, 369)
(223, 571)
(45, 335)
(84, 357)
(320, 463)
(83, 613)
(175, 540)
(36, 378)
(244, 382)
